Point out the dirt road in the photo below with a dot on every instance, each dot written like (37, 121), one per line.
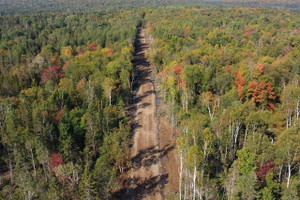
(148, 176)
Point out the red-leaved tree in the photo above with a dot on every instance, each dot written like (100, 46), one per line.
(54, 73)
(263, 170)
(247, 34)
(55, 160)
(93, 46)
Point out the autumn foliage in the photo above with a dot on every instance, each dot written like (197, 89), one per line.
(59, 115)
(55, 160)
(260, 68)
(260, 92)
(53, 73)
(80, 51)
(263, 170)
(228, 69)
(80, 87)
(93, 46)
(178, 69)
(247, 34)
(240, 82)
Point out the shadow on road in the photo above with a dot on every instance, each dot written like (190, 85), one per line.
(138, 187)
(149, 156)
(143, 188)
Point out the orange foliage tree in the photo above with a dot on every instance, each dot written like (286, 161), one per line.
(261, 93)
(240, 82)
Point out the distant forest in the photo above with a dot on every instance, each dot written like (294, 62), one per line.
(28, 6)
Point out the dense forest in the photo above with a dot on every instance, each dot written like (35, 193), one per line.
(64, 82)
(229, 78)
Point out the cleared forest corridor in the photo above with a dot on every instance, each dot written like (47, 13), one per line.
(146, 178)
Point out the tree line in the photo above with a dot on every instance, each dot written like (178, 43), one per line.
(40, 6)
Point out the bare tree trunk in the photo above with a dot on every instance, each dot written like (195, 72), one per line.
(202, 177)
(246, 133)
(194, 182)
(180, 175)
(209, 112)
(185, 191)
(236, 133)
(280, 172)
(289, 176)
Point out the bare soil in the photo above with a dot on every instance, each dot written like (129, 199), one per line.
(153, 170)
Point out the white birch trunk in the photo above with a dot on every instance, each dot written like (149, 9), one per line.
(180, 176)
(194, 182)
(289, 176)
